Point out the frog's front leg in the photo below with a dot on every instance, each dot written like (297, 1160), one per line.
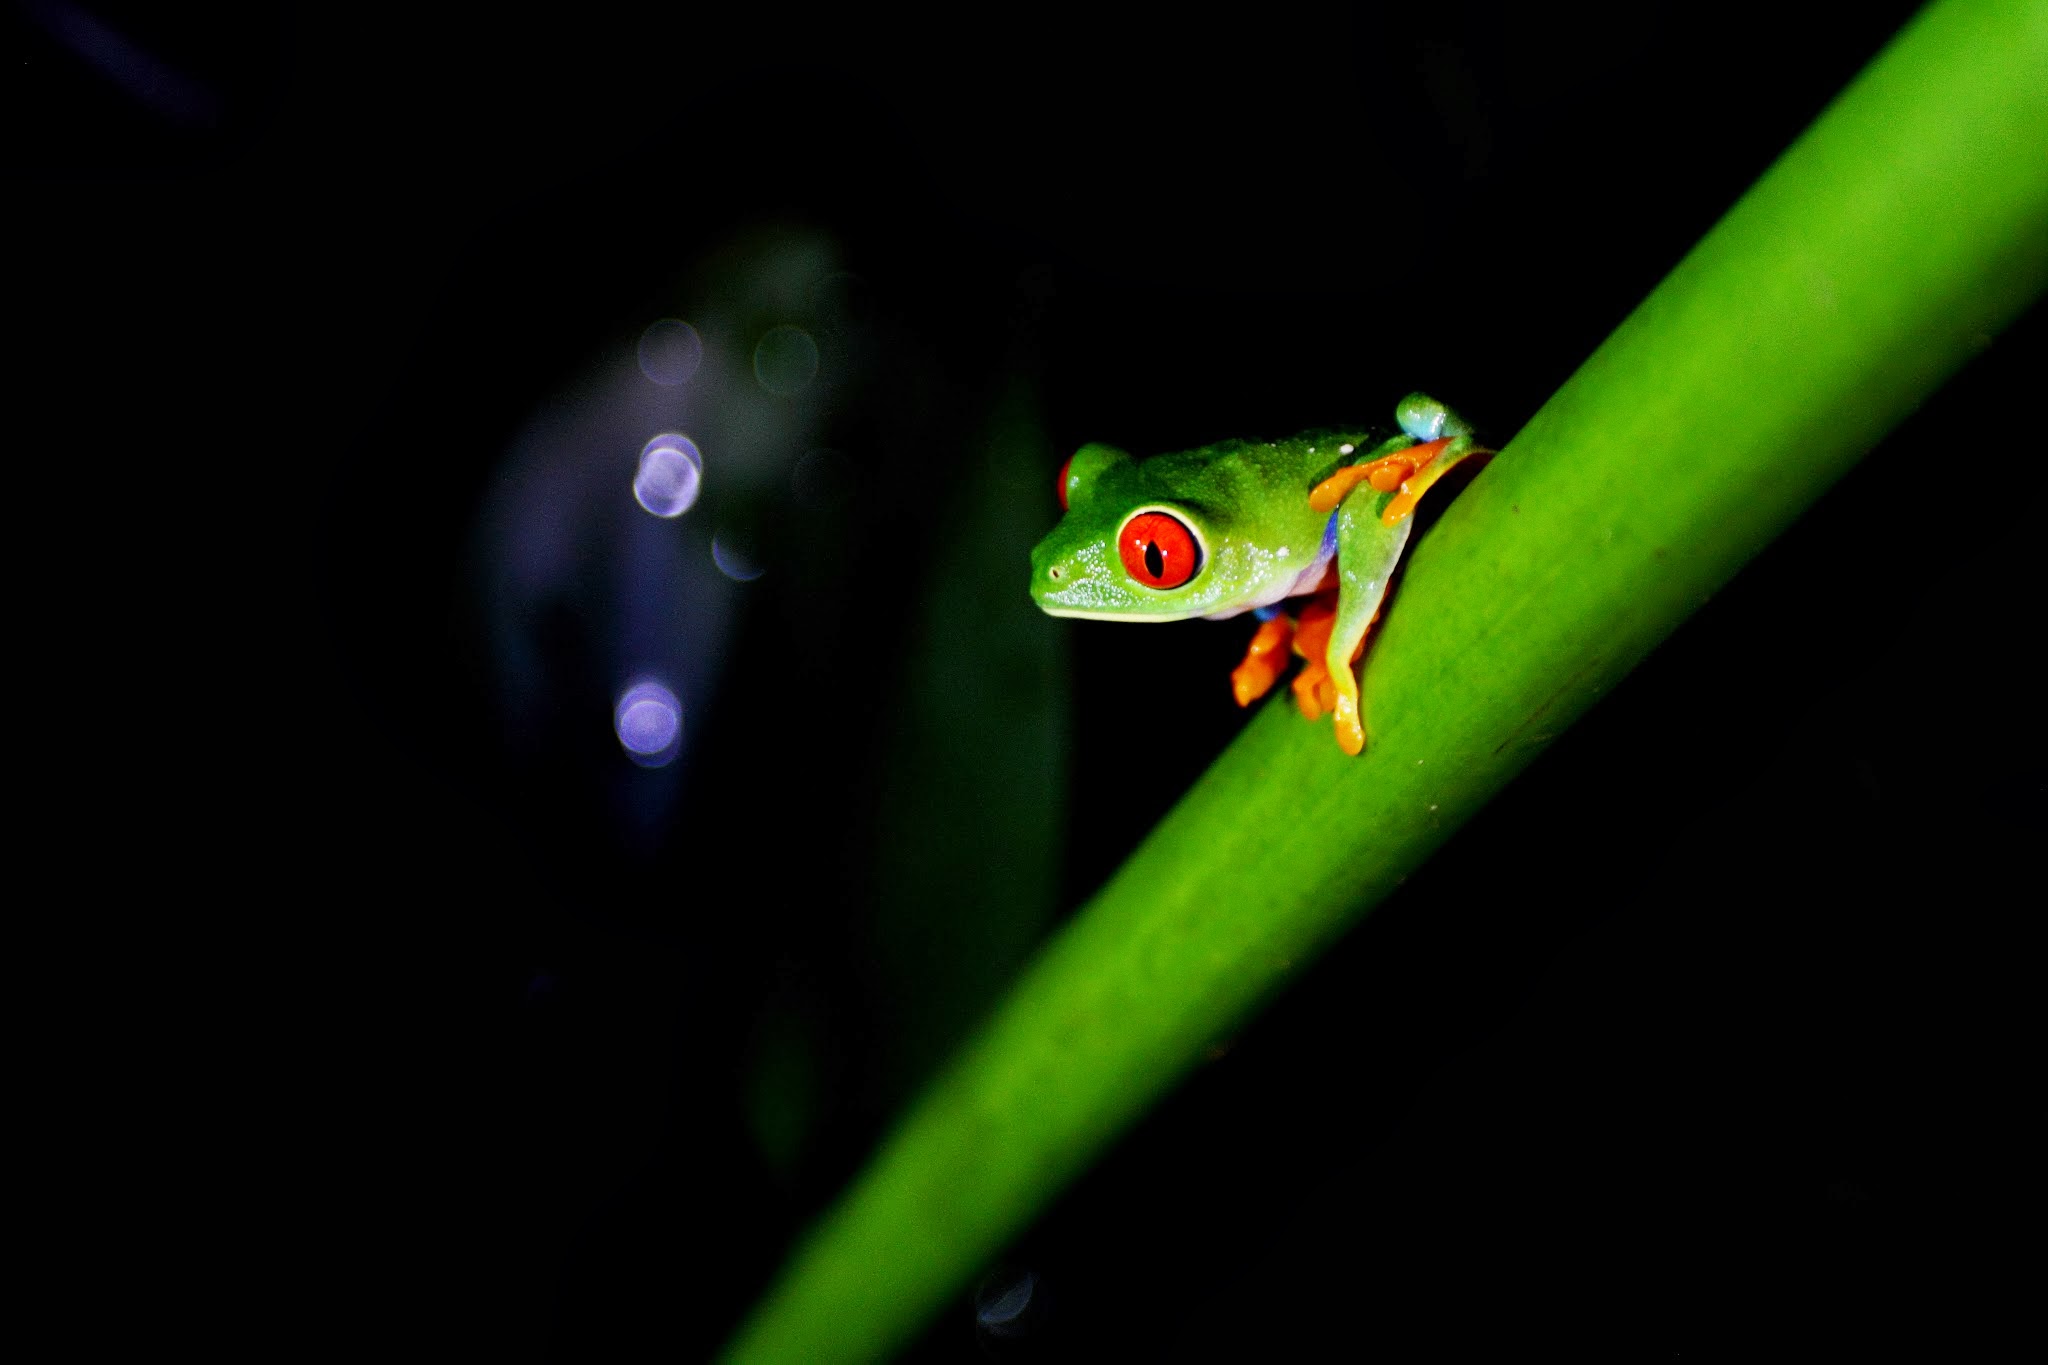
(1373, 525)
(1367, 551)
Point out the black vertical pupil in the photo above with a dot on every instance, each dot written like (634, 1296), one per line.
(1155, 562)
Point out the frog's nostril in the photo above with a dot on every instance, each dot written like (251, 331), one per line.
(1054, 571)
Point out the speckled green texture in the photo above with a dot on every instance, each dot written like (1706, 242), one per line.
(1891, 242)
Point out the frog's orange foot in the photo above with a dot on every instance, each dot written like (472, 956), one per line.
(1264, 661)
(1415, 485)
(1316, 692)
(1385, 474)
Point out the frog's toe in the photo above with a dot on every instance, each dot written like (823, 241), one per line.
(1264, 660)
(1325, 496)
(1425, 418)
(1350, 730)
(1253, 679)
(1311, 685)
(1312, 643)
(1384, 474)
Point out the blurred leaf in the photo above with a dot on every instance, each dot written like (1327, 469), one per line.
(971, 814)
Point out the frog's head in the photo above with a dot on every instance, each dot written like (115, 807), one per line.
(1125, 550)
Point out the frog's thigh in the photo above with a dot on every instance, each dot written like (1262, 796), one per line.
(1367, 551)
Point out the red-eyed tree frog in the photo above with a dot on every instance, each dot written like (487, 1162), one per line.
(1309, 528)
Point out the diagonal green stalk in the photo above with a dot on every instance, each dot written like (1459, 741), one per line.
(1886, 246)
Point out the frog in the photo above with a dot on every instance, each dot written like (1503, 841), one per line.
(1304, 534)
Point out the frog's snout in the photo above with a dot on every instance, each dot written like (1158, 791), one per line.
(1065, 575)
(1050, 570)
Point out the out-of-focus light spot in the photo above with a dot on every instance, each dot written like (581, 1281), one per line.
(999, 1307)
(670, 471)
(649, 722)
(822, 480)
(670, 352)
(733, 561)
(162, 88)
(785, 360)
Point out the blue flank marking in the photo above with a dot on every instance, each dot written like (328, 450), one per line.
(1329, 537)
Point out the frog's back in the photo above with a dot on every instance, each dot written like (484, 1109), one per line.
(1243, 472)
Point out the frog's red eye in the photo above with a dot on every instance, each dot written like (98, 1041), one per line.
(1061, 486)
(1158, 550)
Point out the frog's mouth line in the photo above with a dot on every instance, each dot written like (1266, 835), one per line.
(1137, 618)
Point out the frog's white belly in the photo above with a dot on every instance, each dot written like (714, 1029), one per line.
(1303, 582)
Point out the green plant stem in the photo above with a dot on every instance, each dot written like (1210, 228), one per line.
(1890, 243)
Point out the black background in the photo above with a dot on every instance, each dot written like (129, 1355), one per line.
(1707, 1036)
